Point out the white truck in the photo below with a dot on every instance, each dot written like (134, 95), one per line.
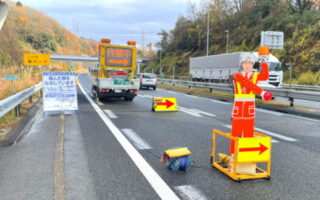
(113, 76)
(219, 68)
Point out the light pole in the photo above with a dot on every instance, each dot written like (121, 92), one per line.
(160, 62)
(227, 31)
(208, 30)
(4, 8)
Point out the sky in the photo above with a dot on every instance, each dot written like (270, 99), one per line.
(118, 20)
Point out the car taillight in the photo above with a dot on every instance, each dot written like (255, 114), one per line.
(104, 91)
(134, 91)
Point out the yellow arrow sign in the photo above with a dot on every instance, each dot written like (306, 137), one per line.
(256, 149)
(164, 104)
(32, 59)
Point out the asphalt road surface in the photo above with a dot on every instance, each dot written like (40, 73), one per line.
(112, 150)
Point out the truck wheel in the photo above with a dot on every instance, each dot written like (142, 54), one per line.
(154, 88)
(94, 92)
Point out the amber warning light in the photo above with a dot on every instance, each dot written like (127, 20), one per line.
(105, 41)
(131, 43)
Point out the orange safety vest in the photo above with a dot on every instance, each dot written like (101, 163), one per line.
(239, 94)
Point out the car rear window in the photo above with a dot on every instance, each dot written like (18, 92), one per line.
(149, 76)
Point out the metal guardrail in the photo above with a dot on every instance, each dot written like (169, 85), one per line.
(283, 86)
(226, 88)
(301, 87)
(15, 100)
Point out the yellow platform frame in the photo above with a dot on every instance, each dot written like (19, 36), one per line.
(238, 176)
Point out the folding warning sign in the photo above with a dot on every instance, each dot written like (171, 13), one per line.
(256, 149)
(164, 104)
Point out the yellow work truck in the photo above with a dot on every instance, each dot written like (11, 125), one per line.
(113, 76)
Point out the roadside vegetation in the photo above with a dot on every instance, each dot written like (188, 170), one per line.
(27, 30)
(244, 21)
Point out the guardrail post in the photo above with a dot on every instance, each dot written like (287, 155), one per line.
(189, 86)
(291, 101)
(30, 99)
(17, 111)
(210, 90)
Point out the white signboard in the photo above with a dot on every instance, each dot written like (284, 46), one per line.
(272, 39)
(59, 92)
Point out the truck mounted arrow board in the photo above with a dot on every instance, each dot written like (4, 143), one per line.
(117, 57)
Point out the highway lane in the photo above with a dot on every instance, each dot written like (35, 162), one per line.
(100, 161)
(294, 173)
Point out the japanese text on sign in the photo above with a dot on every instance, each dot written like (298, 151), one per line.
(30, 59)
(60, 92)
(118, 57)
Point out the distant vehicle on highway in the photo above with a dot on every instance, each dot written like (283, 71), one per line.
(147, 80)
(219, 68)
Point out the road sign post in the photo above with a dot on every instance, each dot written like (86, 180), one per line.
(248, 152)
(12, 78)
(272, 39)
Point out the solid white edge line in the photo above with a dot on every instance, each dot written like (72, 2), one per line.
(269, 112)
(156, 182)
(137, 140)
(111, 114)
(189, 192)
(185, 110)
(272, 140)
(202, 112)
(217, 101)
(277, 135)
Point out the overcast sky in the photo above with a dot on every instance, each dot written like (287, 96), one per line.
(119, 20)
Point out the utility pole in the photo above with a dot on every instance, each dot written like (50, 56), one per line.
(208, 30)
(227, 31)
(160, 62)
(173, 72)
(142, 43)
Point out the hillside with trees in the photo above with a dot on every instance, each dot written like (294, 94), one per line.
(244, 20)
(28, 30)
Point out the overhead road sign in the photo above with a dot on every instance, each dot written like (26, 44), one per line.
(117, 57)
(272, 39)
(164, 104)
(33, 59)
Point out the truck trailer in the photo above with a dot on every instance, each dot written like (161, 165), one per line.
(219, 68)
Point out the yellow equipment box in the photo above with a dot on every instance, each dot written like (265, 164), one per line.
(248, 152)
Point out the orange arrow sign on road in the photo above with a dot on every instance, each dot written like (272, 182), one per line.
(262, 149)
(124, 62)
(167, 103)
